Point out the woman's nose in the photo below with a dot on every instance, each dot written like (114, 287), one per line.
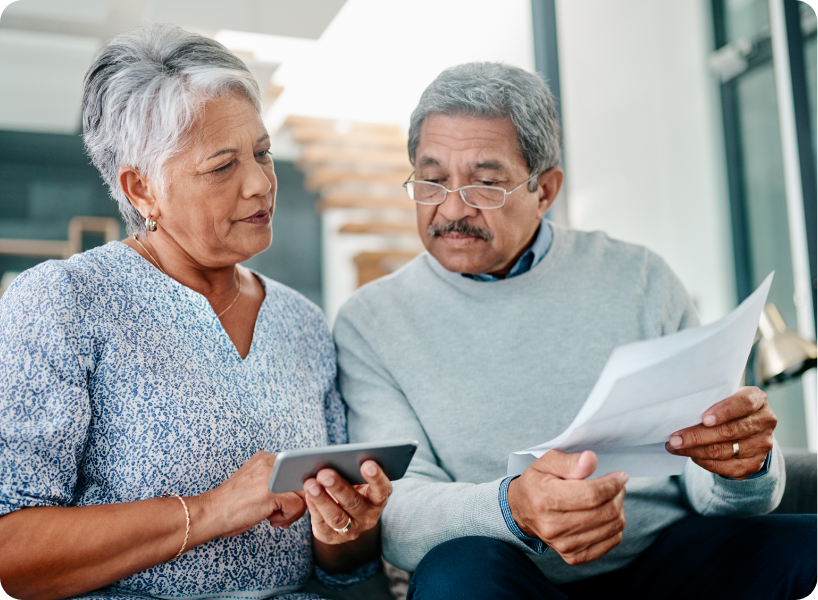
(257, 182)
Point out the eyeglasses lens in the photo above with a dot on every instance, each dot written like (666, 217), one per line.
(479, 196)
(425, 193)
(483, 196)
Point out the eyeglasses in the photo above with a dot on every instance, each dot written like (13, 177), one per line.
(476, 196)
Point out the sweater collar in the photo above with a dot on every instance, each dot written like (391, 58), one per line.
(529, 259)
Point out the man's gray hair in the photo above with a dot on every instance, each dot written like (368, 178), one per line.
(496, 91)
(143, 93)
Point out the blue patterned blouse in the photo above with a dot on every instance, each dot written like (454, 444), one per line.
(118, 384)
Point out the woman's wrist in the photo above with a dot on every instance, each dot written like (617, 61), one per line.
(204, 524)
(342, 558)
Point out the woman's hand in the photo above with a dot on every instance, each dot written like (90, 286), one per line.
(243, 501)
(46, 551)
(333, 502)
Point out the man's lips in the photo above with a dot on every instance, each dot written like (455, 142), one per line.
(262, 217)
(458, 240)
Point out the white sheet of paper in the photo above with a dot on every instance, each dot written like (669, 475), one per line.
(649, 390)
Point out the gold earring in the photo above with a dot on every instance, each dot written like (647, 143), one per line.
(150, 224)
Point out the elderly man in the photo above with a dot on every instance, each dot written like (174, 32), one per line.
(491, 341)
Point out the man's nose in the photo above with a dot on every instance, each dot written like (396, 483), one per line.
(454, 208)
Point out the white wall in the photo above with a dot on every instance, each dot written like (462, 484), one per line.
(643, 136)
(376, 57)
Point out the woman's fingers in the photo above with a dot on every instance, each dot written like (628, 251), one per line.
(379, 487)
(351, 501)
(290, 508)
(328, 511)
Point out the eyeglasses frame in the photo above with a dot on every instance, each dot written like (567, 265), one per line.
(447, 191)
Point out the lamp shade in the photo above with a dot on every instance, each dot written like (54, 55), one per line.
(781, 354)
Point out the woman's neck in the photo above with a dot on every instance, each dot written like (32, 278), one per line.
(217, 283)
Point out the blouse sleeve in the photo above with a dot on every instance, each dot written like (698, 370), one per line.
(336, 416)
(44, 405)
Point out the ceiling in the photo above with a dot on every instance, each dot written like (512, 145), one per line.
(46, 45)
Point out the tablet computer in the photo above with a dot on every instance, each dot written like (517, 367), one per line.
(293, 467)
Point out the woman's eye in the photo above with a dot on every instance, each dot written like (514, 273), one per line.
(488, 183)
(223, 168)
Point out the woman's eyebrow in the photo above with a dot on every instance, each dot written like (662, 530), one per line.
(233, 150)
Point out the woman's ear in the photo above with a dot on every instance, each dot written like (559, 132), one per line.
(136, 186)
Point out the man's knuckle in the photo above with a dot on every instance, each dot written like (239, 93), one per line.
(550, 532)
(714, 451)
(595, 496)
(576, 558)
(610, 511)
(727, 430)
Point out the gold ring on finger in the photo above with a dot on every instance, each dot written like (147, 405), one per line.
(345, 528)
(735, 449)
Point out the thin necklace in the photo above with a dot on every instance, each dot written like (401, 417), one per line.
(158, 266)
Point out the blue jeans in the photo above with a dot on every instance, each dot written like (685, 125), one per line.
(720, 558)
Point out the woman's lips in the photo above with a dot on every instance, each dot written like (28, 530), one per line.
(262, 217)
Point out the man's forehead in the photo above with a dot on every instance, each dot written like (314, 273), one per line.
(487, 144)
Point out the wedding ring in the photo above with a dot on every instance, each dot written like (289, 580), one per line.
(345, 528)
(735, 449)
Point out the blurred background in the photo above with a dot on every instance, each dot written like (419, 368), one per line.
(689, 128)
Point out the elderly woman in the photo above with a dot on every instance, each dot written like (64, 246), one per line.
(147, 385)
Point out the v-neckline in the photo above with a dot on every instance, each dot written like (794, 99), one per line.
(212, 316)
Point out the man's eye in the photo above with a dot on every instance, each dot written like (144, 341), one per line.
(488, 183)
(264, 154)
(223, 168)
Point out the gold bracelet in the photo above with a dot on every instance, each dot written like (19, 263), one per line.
(187, 525)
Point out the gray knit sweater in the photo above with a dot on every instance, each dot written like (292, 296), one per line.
(476, 370)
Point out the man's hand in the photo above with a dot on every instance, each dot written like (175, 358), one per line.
(744, 418)
(581, 520)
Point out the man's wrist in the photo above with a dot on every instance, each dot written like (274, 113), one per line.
(533, 543)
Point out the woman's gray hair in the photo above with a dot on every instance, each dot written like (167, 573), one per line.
(496, 91)
(143, 93)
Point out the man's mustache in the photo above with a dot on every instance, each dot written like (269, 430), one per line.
(461, 227)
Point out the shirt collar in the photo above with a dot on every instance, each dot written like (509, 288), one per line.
(530, 257)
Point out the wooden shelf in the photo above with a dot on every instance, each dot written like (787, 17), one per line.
(316, 155)
(373, 265)
(370, 140)
(63, 249)
(345, 200)
(381, 228)
(298, 121)
(322, 176)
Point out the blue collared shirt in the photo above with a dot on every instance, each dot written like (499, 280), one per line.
(527, 261)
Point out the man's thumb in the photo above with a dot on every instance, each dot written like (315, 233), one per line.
(567, 466)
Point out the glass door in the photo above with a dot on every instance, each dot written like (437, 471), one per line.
(744, 61)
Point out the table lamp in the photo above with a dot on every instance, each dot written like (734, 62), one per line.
(781, 355)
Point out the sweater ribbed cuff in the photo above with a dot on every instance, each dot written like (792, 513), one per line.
(535, 544)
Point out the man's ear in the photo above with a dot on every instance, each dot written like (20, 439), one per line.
(550, 183)
(139, 191)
